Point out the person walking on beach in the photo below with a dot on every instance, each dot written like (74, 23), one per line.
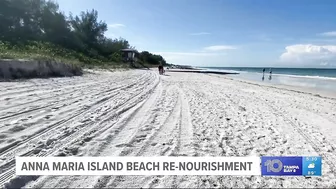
(270, 76)
(263, 77)
(160, 69)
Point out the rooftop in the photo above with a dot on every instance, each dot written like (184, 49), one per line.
(129, 50)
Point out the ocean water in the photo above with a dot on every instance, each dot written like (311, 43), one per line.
(313, 78)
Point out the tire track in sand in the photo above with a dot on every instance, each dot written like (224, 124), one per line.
(184, 147)
(149, 138)
(120, 110)
(108, 138)
(66, 98)
(53, 126)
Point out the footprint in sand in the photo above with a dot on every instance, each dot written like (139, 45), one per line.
(147, 128)
(48, 116)
(17, 128)
(139, 138)
(11, 140)
(2, 136)
(88, 139)
(37, 150)
(24, 119)
(124, 145)
(73, 150)
(85, 120)
(50, 141)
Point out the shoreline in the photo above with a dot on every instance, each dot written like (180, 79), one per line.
(226, 74)
(309, 81)
(299, 89)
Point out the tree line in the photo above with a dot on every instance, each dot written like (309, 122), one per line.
(36, 22)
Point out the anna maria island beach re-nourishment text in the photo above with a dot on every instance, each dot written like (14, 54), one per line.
(136, 166)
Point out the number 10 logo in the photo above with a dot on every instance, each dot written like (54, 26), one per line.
(270, 164)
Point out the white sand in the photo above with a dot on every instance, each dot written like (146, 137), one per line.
(139, 113)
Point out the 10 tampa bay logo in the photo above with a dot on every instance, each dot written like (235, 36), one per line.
(278, 166)
(290, 166)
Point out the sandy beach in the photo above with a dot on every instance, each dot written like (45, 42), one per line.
(141, 113)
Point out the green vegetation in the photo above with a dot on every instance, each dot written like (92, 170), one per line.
(37, 29)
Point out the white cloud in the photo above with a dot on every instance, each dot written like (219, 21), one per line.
(200, 33)
(116, 25)
(328, 34)
(219, 48)
(310, 55)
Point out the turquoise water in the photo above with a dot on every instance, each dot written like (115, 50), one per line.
(317, 79)
(307, 72)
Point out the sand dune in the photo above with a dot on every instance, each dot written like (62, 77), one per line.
(139, 113)
(20, 69)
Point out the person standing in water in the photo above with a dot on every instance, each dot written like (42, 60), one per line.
(263, 77)
(270, 76)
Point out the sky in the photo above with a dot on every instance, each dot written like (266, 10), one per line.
(223, 33)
